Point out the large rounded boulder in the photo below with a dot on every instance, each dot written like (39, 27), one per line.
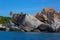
(45, 28)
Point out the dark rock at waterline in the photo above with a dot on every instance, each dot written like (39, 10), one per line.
(2, 29)
(35, 30)
(45, 27)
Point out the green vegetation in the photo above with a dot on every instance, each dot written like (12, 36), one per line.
(4, 20)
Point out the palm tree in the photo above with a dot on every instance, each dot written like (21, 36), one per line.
(11, 13)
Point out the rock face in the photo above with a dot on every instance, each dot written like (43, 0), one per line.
(41, 17)
(30, 22)
(48, 21)
(52, 18)
(45, 28)
(26, 22)
(50, 14)
(12, 27)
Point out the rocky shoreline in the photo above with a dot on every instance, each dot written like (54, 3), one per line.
(46, 21)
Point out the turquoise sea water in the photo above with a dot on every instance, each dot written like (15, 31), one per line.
(29, 36)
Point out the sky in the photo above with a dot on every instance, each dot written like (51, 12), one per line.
(27, 6)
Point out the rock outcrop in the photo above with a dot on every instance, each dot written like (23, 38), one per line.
(41, 17)
(45, 28)
(52, 18)
(25, 22)
(47, 21)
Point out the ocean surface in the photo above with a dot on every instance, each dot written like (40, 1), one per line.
(28, 36)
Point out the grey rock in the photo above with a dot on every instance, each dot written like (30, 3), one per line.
(45, 27)
(24, 22)
(53, 18)
(30, 22)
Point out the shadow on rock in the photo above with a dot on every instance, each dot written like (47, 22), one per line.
(45, 28)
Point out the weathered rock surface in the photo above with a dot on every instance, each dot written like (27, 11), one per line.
(30, 22)
(41, 17)
(45, 28)
(12, 27)
(25, 22)
(52, 18)
(48, 21)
